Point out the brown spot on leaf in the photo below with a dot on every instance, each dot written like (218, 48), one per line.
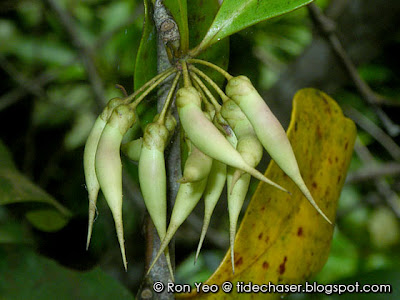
(346, 145)
(260, 236)
(265, 265)
(319, 132)
(336, 159)
(263, 208)
(295, 126)
(330, 160)
(239, 261)
(300, 231)
(338, 179)
(282, 266)
(323, 97)
(267, 239)
(314, 185)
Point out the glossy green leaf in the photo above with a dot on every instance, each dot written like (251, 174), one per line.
(146, 59)
(26, 275)
(201, 13)
(16, 188)
(282, 238)
(178, 9)
(146, 62)
(235, 15)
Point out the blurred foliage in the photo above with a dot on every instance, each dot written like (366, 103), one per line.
(36, 277)
(47, 107)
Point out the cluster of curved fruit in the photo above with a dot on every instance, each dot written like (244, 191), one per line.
(225, 143)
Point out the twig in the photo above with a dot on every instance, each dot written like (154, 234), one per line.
(328, 28)
(391, 198)
(378, 134)
(84, 51)
(160, 271)
(167, 29)
(374, 171)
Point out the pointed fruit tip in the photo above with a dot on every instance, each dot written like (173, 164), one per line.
(206, 223)
(198, 251)
(314, 204)
(327, 219)
(124, 257)
(310, 199)
(120, 235)
(92, 214)
(160, 251)
(232, 242)
(126, 266)
(89, 234)
(253, 172)
(153, 263)
(197, 255)
(233, 260)
(168, 258)
(278, 187)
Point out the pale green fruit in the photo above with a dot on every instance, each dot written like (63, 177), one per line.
(109, 168)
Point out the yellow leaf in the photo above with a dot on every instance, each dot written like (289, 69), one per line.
(282, 239)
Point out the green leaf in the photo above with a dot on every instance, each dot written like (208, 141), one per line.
(178, 9)
(235, 15)
(201, 13)
(46, 219)
(16, 188)
(146, 60)
(26, 275)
